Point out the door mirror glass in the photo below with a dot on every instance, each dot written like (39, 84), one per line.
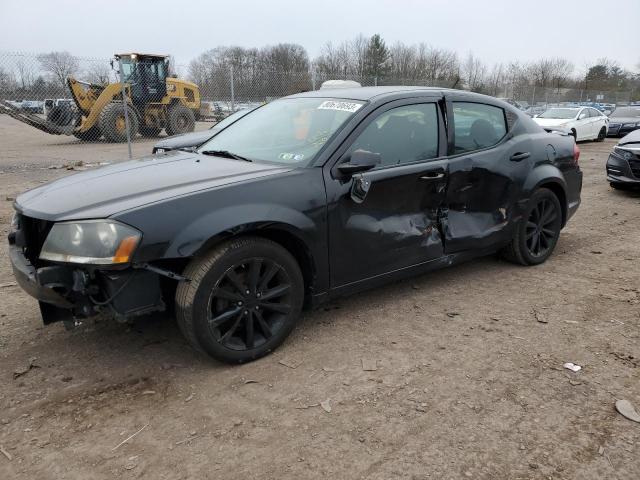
(359, 161)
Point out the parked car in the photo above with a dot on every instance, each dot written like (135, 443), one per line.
(624, 120)
(584, 123)
(310, 197)
(623, 164)
(195, 139)
(31, 106)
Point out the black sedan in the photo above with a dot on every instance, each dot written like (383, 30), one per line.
(624, 120)
(310, 197)
(195, 139)
(623, 164)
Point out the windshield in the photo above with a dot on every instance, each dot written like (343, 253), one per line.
(289, 131)
(231, 118)
(626, 112)
(561, 113)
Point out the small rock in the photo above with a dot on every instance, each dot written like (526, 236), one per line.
(452, 314)
(533, 466)
(148, 392)
(601, 450)
(67, 379)
(326, 406)
(468, 474)
(522, 447)
(190, 397)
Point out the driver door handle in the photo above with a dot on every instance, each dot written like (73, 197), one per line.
(516, 157)
(432, 176)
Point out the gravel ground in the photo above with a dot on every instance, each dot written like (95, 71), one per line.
(469, 379)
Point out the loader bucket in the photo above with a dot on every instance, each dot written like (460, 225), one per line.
(34, 120)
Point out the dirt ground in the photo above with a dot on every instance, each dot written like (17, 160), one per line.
(469, 381)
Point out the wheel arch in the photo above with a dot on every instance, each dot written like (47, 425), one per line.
(287, 236)
(548, 176)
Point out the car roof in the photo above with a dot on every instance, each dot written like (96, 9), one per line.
(369, 93)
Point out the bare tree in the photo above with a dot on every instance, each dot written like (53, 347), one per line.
(98, 73)
(60, 65)
(25, 73)
(473, 73)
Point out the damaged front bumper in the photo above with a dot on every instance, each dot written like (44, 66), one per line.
(69, 293)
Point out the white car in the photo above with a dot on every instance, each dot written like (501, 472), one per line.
(585, 123)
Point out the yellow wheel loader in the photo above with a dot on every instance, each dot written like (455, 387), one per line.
(154, 101)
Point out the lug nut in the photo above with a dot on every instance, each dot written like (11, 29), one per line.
(239, 304)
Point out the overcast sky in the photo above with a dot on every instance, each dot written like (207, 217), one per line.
(495, 30)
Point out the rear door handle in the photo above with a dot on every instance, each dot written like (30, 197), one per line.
(432, 176)
(516, 157)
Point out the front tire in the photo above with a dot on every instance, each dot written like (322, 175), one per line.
(537, 233)
(113, 125)
(243, 299)
(602, 134)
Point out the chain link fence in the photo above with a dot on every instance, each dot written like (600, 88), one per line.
(137, 97)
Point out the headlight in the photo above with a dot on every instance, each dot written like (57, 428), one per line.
(159, 150)
(98, 242)
(627, 155)
(629, 124)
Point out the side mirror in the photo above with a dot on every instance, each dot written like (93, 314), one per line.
(360, 161)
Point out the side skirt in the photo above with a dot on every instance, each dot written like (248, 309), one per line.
(408, 272)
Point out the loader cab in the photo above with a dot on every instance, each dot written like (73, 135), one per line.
(147, 76)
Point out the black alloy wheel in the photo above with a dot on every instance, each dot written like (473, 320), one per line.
(537, 233)
(542, 228)
(243, 298)
(249, 304)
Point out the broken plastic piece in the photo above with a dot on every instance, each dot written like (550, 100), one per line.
(572, 366)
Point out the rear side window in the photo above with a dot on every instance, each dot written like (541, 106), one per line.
(477, 126)
(594, 112)
(402, 135)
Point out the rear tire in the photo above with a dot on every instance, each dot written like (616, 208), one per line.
(180, 119)
(243, 299)
(537, 233)
(112, 123)
(602, 134)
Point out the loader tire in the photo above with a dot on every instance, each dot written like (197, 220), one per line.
(112, 123)
(61, 115)
(180, 119)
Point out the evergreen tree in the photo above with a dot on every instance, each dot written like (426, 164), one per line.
(376, 60)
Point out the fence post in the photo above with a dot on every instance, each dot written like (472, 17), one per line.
(533, 96)
(375, 81)
(233, 96)
(124, 107)
(313, 78)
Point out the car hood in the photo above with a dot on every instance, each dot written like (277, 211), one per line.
(193, 139)
(624, 119)
(551, 122)
(630, 139)
(106, 191)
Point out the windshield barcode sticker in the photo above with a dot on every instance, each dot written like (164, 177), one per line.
(342, 106)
